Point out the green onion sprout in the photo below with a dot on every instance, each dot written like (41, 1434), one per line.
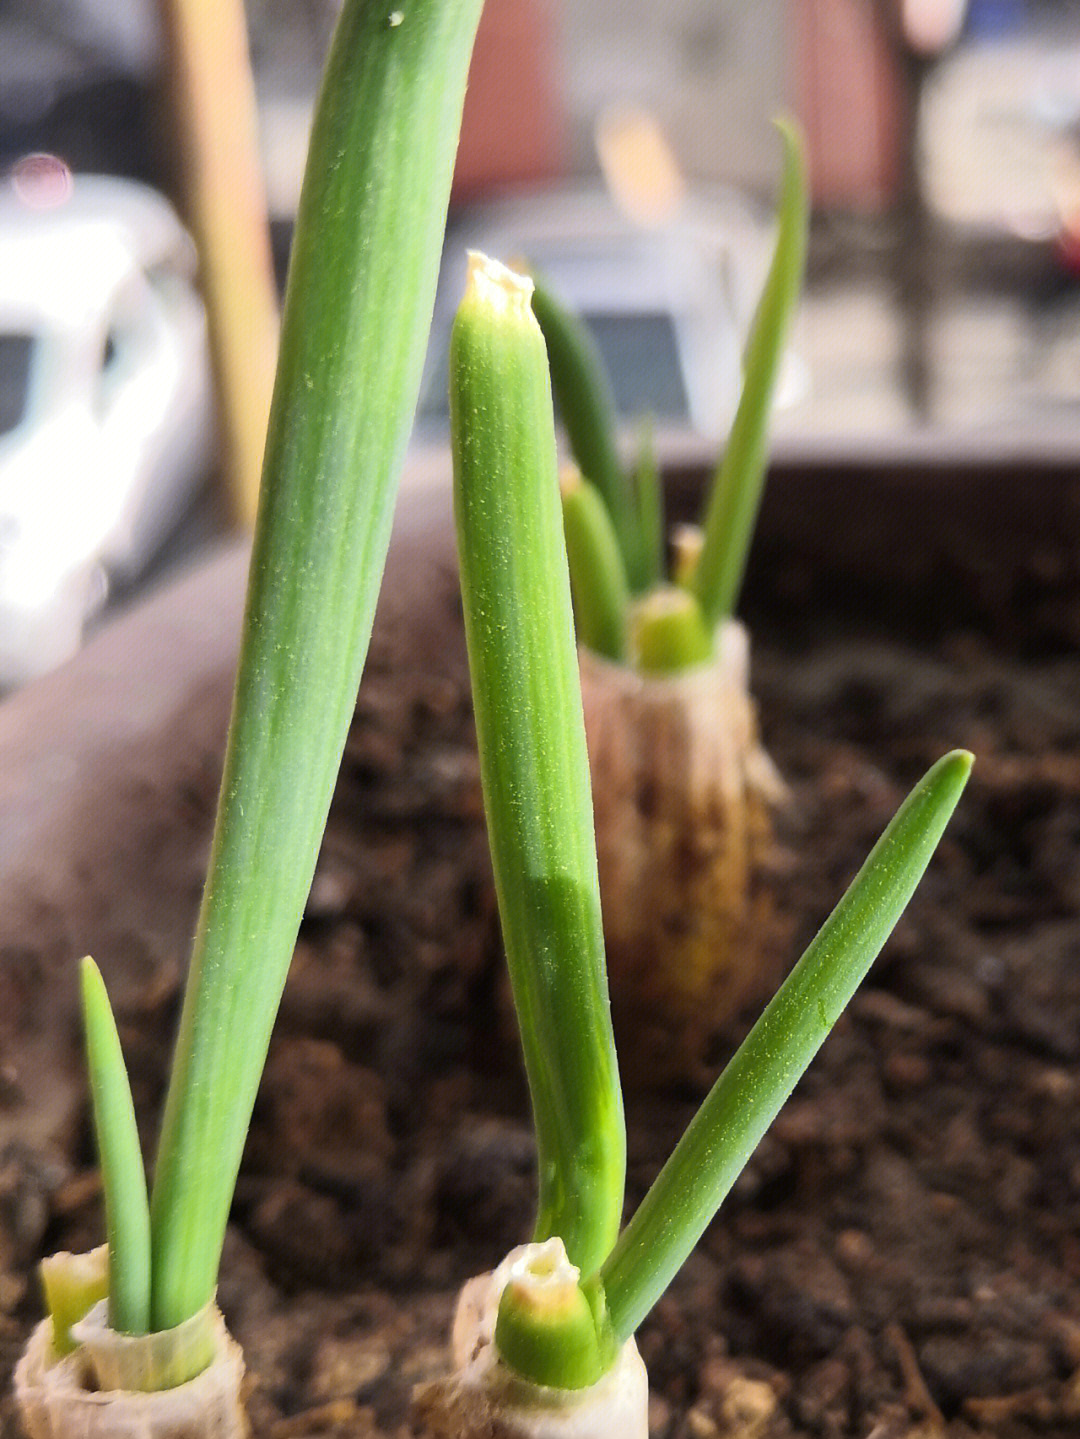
(562, 1324)
(527, 701)
(358, 308)
(127, 1207)
(598, 578)
(634, 500)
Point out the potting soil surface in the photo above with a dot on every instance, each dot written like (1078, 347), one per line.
(901, 1256)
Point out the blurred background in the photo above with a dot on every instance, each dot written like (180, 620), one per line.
(626, 148)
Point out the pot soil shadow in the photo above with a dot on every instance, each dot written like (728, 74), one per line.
(902, 1255)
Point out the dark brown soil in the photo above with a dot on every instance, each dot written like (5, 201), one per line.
(902, 1256)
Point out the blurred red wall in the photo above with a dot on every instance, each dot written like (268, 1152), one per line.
(849, 99)
(513, 129)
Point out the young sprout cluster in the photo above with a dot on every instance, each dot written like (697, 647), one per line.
(359, 302)
(627, 607)
(565, 1314)
(360, 296)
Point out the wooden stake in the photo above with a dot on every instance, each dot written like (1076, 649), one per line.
(213, 101)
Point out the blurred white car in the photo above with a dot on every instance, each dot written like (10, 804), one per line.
(106, 402)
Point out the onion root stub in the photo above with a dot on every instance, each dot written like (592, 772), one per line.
(684, 799)
(60, 1398)
(483, 1399)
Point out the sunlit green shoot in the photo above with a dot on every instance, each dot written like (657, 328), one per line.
(597, 573)
(534, 766)
(73, 1284)
(562, 1320)
(127, 1208)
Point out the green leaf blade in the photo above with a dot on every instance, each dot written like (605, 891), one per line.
(736, 491)
(747, 1096)
(587, 407)
(534, 766)
(649, 492)
(598, 580)
(358, 307)
(127, 1208)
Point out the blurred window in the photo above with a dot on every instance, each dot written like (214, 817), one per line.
(641, 353)
(128, 342)
(114, 366)
(16, 355)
